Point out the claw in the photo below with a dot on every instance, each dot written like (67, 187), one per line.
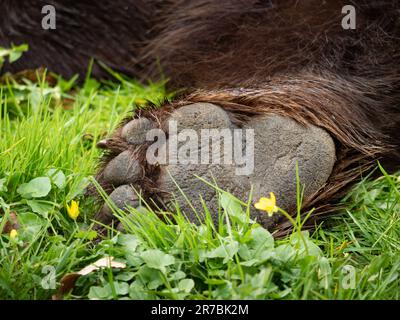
(102, 144)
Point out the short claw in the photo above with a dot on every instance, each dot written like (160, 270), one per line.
(102, 144)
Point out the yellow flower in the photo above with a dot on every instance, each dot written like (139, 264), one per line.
(267, 204)
(13, 234)
(73, 209)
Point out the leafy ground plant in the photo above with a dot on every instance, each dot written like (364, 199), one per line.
(12, 54)
(47, 158)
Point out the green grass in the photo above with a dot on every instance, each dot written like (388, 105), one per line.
(51, 132)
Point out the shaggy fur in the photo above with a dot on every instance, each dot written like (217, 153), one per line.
(249, 56)
(109, 31)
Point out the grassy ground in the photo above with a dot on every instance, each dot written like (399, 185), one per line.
(47, 158)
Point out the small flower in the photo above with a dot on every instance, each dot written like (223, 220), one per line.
(267, 204)
(13, 234)
(73, 209)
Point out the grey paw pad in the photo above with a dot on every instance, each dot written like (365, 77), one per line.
(134, 132)
(199, 116)
(120, 228)
(123, 197)
(123, 169)
(279, 144)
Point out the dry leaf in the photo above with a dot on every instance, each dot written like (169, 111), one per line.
(106, 262)
(33, 75)
(69, 280)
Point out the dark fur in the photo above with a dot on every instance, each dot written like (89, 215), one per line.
(108, 30)
(249, 56)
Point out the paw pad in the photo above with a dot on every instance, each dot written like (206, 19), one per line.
(278, 144)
